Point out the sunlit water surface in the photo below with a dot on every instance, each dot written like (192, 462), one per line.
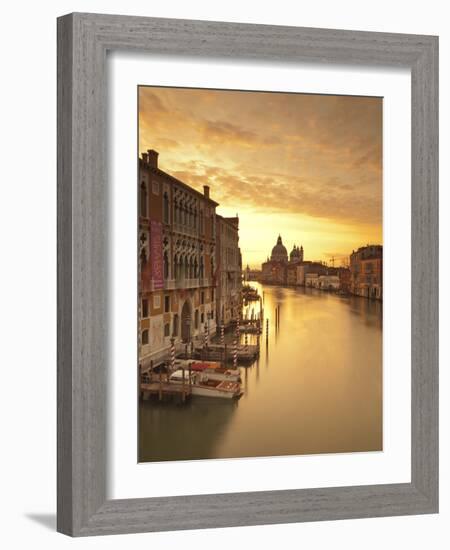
(316, 388)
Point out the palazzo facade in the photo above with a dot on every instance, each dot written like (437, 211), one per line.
(177, 261)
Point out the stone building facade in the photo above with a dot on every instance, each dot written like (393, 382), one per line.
(280, 269)
(366, 272)
(314, 269)
(229, 270)
(177, 261)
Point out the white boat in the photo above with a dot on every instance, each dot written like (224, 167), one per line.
(217, 388)
(202, 385)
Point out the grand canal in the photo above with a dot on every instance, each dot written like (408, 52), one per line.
(316, 388)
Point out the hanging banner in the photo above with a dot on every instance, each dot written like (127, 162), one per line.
(156, 254)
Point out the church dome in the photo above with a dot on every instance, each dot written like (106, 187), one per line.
(279, 252)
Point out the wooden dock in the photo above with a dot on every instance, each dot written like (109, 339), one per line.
(165, 390)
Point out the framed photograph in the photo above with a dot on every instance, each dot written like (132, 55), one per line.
(247, 274)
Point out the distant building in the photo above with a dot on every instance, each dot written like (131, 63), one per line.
(328, 282)
(177, 253)
(344, 279)
(366, 272)
(252, 274)
(280, 269)
(229, 269)
(305, 268)
(312, 280)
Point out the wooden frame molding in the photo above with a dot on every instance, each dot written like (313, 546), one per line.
(83, 42)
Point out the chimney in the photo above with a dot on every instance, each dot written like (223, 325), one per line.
(206, 191)
(145, 158)
(152, 158)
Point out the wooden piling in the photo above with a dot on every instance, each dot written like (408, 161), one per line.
(160, 384)
(183, 393)
(172, 358)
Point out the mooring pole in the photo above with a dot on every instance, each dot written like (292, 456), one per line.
(172, 357)
(183, 393)
(235, 354)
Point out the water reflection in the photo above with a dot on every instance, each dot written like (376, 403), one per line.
(316, 388)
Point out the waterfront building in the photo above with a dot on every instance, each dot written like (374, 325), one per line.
(280, 269)
(366, 271)
(229, 270)
(177, 261)
(344, 279)
(252, 274)
(291, 274)
(315, 268)
(328, 282)
(312, 280)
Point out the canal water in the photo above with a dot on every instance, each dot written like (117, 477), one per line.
(316, 388)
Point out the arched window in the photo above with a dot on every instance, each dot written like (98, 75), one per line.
(175, 325)
(175, 208)
(144, 337)
(166, 266)
(195, 269)
(182, 212)
(143, 200)
(186, 267)
(175, 267)
(202, 268)
(196, 318)
(166, 208)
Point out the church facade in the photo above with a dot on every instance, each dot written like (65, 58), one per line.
(281, 268)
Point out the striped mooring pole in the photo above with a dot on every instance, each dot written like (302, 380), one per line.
(206, 335)
(172, 354)
(235, 354)
(246, 342)
(222, 335)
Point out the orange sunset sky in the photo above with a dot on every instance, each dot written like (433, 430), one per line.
(306, 166)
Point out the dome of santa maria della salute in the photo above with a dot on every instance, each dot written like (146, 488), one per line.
(279, 252)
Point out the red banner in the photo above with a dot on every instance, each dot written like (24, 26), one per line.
(156, 254)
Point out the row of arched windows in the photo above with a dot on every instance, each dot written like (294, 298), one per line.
(186, 268)
(185, 214)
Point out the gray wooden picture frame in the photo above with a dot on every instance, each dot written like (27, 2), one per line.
(83, 42)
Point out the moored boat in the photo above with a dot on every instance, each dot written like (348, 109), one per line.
(200, 384)
(212, 369)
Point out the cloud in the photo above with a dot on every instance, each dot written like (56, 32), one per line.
(313, 155)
